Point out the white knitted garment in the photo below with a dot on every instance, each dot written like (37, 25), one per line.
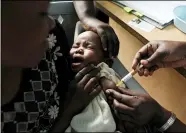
(97, 116)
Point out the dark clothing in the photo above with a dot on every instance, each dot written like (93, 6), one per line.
(42, 90)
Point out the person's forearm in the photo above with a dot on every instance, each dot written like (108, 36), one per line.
(64, 121)
(178, 126)
(79, 29)
(85, 9)
(181, 48)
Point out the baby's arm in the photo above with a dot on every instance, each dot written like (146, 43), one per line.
(79, 29)
(107, 84)
(109, 78)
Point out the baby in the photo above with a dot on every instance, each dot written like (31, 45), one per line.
(97, 116)
(87, 49)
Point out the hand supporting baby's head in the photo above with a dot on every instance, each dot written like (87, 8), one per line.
(87, 49)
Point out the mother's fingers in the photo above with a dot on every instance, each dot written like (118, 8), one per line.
(86, 80)
(91, 84)
(83, 72)
(95, 91)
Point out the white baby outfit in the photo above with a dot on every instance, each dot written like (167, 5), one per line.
(97, 116)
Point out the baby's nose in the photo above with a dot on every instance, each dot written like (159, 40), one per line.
(80, 51)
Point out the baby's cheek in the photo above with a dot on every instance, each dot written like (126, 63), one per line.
(91, 56)
(71, 52)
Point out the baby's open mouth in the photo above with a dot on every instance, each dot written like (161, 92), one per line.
(77, 61)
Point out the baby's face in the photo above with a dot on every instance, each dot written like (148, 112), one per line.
(86, 49)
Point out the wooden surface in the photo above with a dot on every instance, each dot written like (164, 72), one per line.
(167, 86)
(122, 18)
(115, 12)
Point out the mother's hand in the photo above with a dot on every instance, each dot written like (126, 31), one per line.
(135, 107)
(84, 88)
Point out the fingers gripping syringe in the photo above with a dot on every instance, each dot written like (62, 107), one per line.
(129, 76)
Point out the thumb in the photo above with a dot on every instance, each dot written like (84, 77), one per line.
(153, 59)
(104, 40)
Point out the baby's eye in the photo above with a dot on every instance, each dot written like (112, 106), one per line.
(75, 45)
(90, 46)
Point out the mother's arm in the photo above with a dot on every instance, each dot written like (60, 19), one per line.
(64, 120)
(84, 91)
